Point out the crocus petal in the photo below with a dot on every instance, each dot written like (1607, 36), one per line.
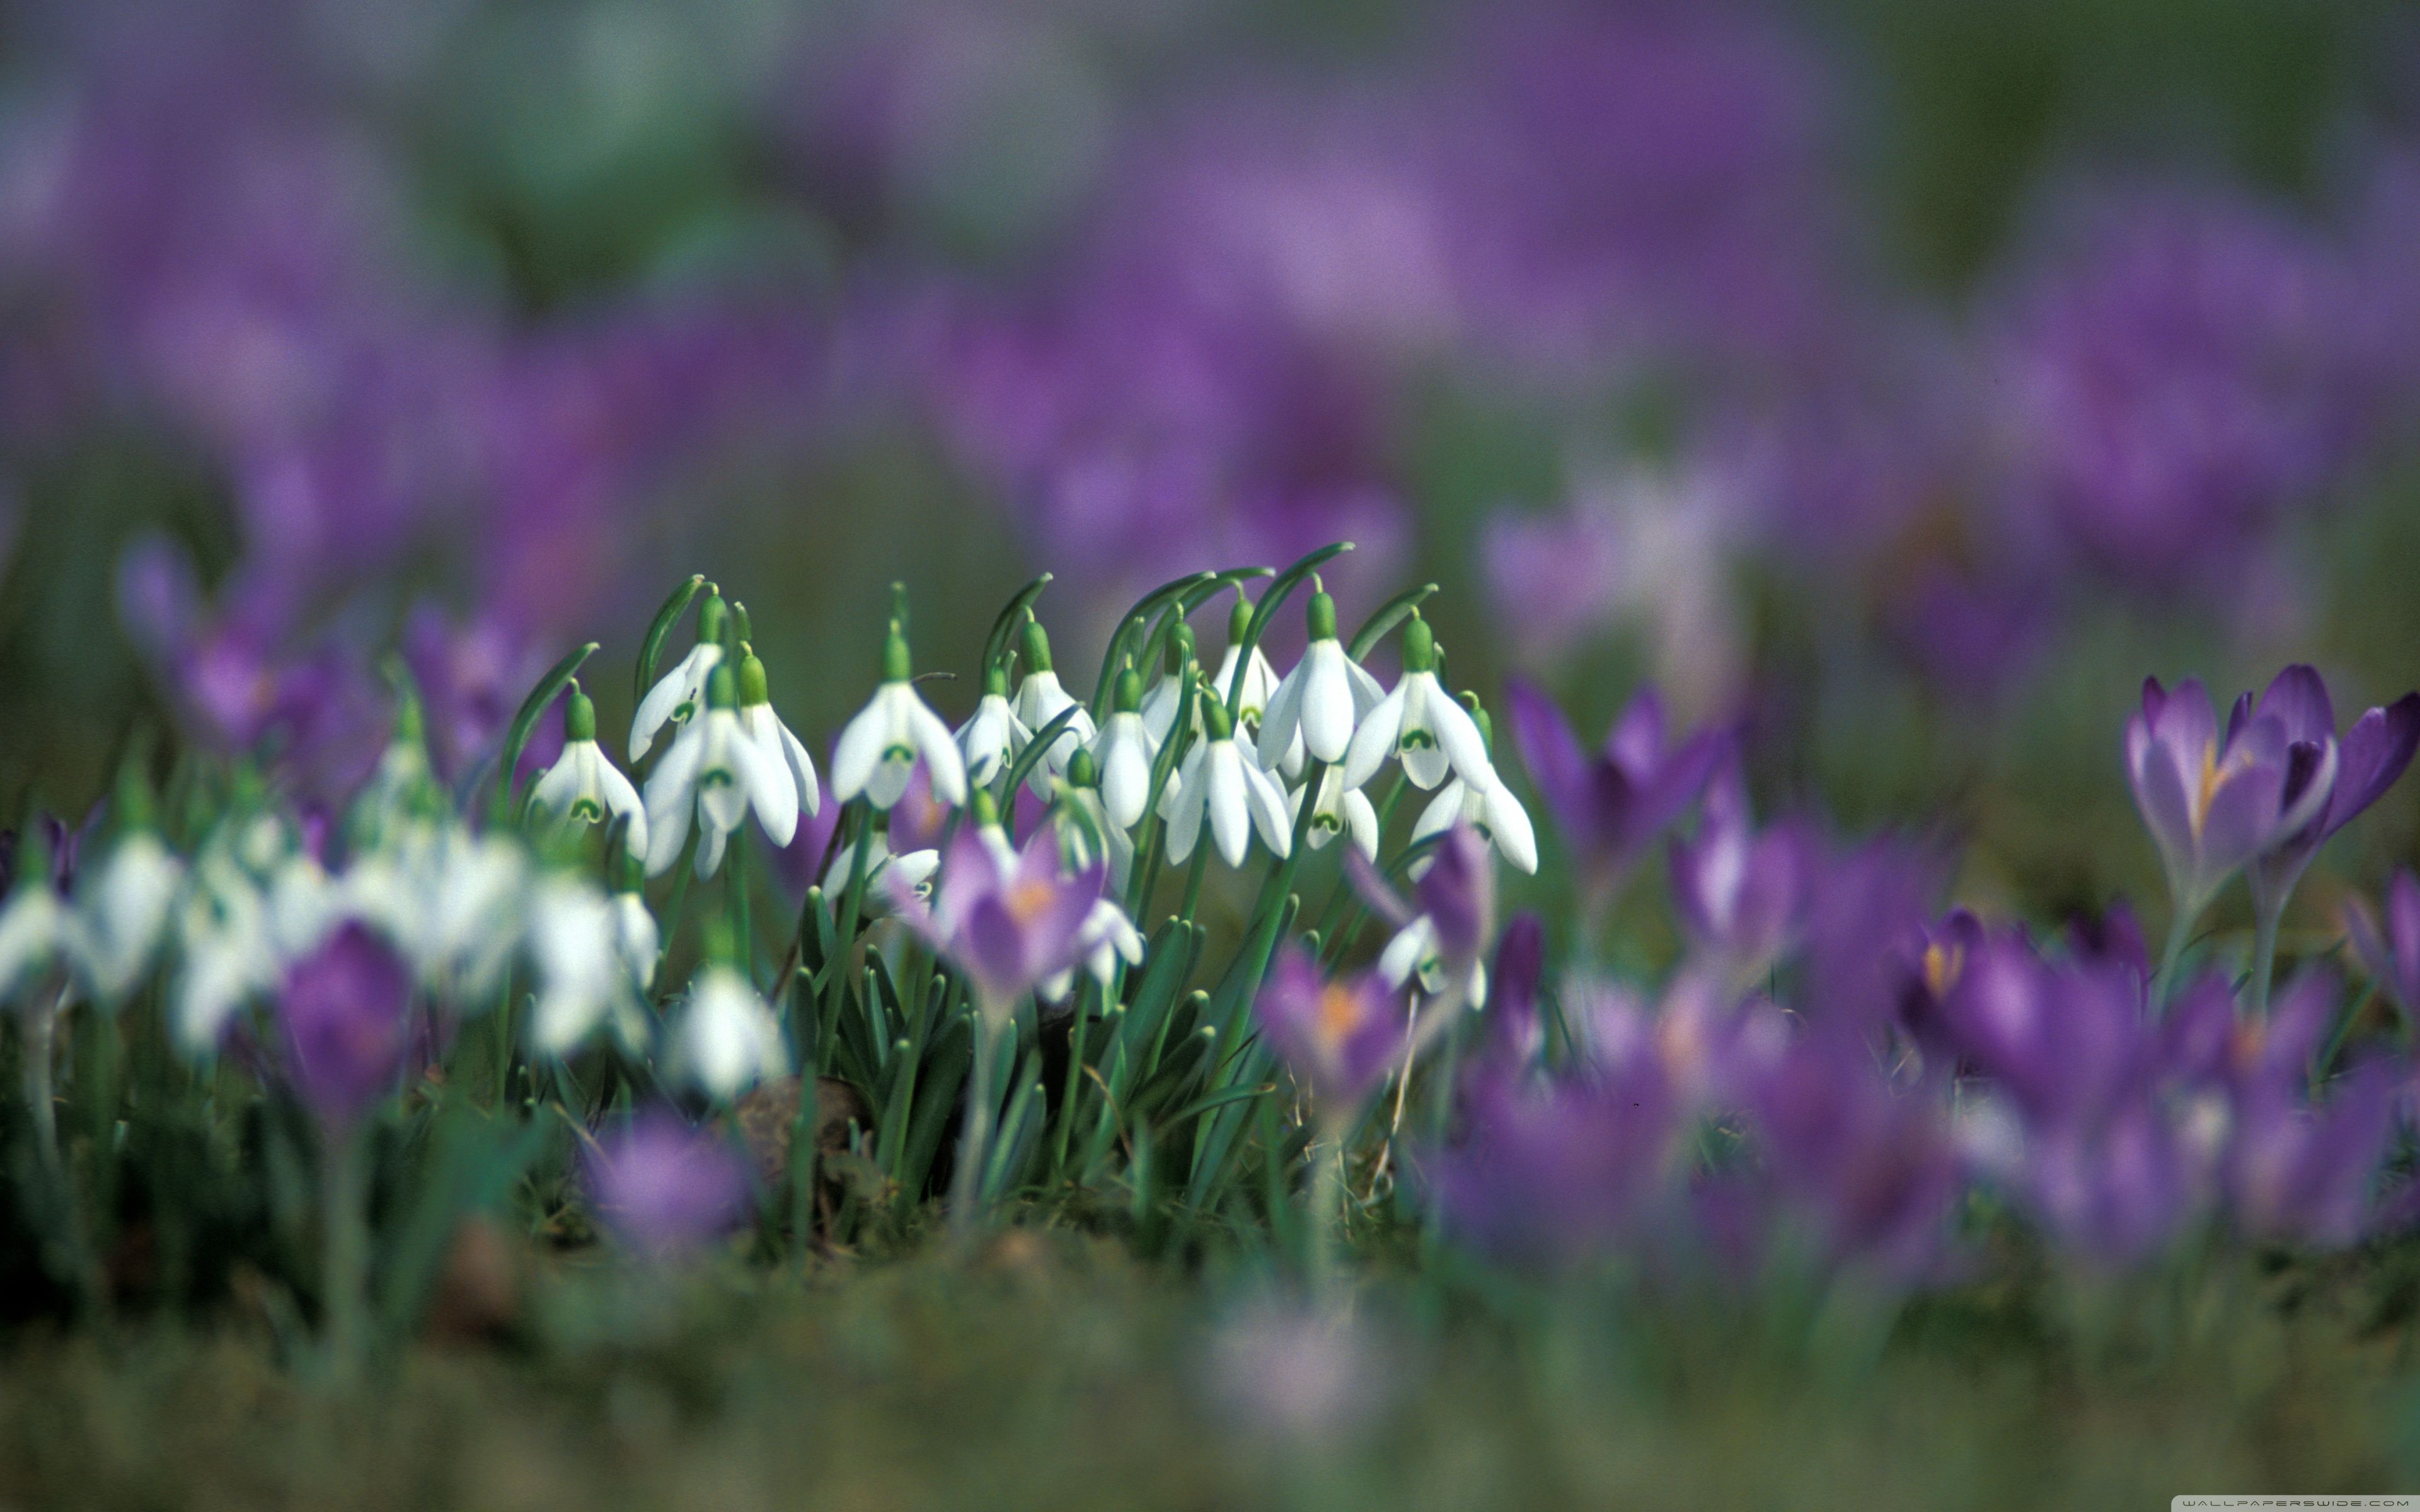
(2371, 757)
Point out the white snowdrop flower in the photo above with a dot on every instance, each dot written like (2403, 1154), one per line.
(994, 736)
(1124, 752)
(1319, 706)
(583, 787)
(39, 933)
(1413, 955)
(1222, 779)
(1492, 810)
(1177, 670)
(680, 693)
(124, 908)
(403, 784)
(1339, 810)
(777, 748)
(716, 772)
(1420, 722)
(914, 869)
(1088, 836)
(476, 909)
(225, 956)
(728, 1039)
(1260, 678)
(582, 979)
(1041, 699)
(638, 941)
(1105, 938)
(894, 730)
(304, 905)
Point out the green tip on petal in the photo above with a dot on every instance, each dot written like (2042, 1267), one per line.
(1215, 721)
(1239, 619)
(721, 688)
(1321, 616)
(578, 717)
(987, 811)
(897, 667)
(1420, 645)
(1037, 645)
(1082, 770)
(753, 690)
(1127, 698)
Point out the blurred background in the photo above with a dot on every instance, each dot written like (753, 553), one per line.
(1905, 378)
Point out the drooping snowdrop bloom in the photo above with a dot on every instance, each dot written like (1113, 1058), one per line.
(39, 933)
(885, 870)
(1088, 835)
(678, 693)
(1341, 810)
(779, 748)
(1107, 937)
(225, 950)
(1123, 752)
(583, 787)
(993, 736)
(1222, 779)
(453, 901)
(1319, 707)
(1488, 806)
(1443, 934)
(1177, 671)
(584, 979)
(124, 910)
(1041, 699)
(717, 772)
(1260, 678)
(1420, 722)
(638, 942)
(728, 1039)
(895, 732)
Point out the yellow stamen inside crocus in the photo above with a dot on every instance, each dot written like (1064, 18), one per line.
(1340, 1012)
(1029, 900)
(1942, 965)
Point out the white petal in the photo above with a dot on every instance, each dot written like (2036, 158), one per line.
(1231, 818)
(862, 743)
(1367, 694)
(771, 791)
(1361, 823)
(1278, 725)
(1267, 802)
(560, 788)
(1375, 740)
(1424, 762)
(1458, 737)
(943, 767)
(710, 843)
(1403, 953)
(1182, 807)
(671, 795)
(724, 784)
(802, 769)
(1326, 711)
(1124, 752)
(1510, 823)
(671, 691)
(621, 798)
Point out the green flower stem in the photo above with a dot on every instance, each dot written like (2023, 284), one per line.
(41, 1028)
(1325, 1228)
(852, 903)
(345, 1256)
(967, 1181)
(2264, 956)
(2180, 931)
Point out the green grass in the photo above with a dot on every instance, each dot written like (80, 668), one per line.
(1048, 1371)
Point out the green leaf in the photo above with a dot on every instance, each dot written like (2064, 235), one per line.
(1393, 613)
(996, 644)
(659, 630)
(1037, 748)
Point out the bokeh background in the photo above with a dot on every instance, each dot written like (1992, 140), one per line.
(1904, 379)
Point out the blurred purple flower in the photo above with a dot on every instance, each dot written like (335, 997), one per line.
(1742, 895)
(664, 1188)
(1557, 1171)
(1009, 928)
(1340, 1037)
(2391, 953)
(343, 1010)
(1610, 806)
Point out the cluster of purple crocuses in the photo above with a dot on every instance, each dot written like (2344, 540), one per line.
(1835, 1075)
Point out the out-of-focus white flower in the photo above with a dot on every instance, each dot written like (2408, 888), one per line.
(897, 729)
(727, 1040)
(583, 977)
(994, 736)
(124, 908)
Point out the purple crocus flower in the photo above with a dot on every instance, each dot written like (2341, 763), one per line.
(1610, 806)
(2214, 804)
(2368, 759)
(2297, 1172)
(2391, 952)
(343, 1010)
(1009, 928)
(663, 1187)
(1742, 896)
(1516, 1036)
(1560, 1170)
(1338, 1036)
